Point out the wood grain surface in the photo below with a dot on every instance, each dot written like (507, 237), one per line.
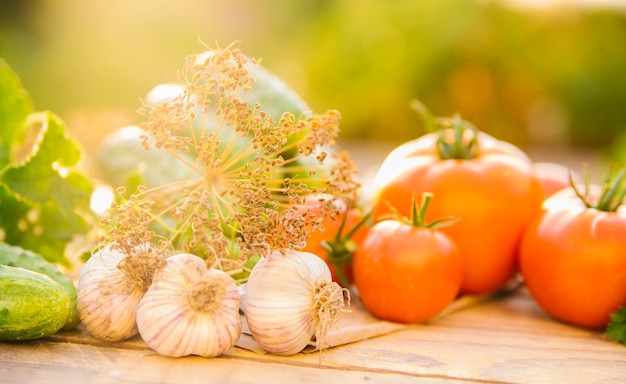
(506, 340)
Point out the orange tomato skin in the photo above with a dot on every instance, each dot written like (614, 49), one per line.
(331, 227)
(554, 177)
(495, 196)
(407, 274)
(573, 260)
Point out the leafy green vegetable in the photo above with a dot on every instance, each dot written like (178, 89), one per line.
(616, 329)
(15, 105)
(44, 197)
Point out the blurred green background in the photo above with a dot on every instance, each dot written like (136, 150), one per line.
(534, 76)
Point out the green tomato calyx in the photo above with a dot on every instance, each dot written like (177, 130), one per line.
(418, 214)
(342, 247)
(612, 194)
(456, 138)
(417, 218)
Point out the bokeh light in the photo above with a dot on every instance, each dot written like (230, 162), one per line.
(534, 73)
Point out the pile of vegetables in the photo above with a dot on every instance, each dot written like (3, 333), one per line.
(490, 185)
(231, 205)
(205, 222)
(564, 238)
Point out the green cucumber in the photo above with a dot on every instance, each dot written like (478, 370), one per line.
(13, 256)
(32, 305)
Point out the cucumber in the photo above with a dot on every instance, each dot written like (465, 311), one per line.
(32, 305)
(13, 256)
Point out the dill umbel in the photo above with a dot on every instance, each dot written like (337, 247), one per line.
(249, 170)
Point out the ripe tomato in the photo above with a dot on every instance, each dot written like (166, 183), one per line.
(332, 224)
(573, 259)
(407, 273)
(554, 177)
(489, 184)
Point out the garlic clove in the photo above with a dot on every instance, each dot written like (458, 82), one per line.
(190, 309)
(242, 297)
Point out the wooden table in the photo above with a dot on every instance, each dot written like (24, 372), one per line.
(507, 340)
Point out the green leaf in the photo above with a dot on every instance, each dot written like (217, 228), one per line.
(46, 174)
(15, 105)
(44, 197)
(616, 330)
(43, 229)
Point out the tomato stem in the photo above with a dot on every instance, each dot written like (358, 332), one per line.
(584, 198)
(613, 192)
(425, 115)
(341, 249)
(418, 214)
(612, 195)
(457, 138)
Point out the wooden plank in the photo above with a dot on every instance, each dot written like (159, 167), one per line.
(509, 340)
(57, 362)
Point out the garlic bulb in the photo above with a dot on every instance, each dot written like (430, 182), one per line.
(289, 298)
(110, 286)
(190, 309)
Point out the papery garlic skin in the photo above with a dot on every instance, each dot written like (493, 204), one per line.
(279, 301)
(190, 309)
(106, 309)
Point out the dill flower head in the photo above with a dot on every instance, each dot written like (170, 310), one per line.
(249, 169)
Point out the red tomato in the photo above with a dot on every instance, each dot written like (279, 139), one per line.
(331, 226)
(495, 193)
(573, 259)
(405, 273)
(554, 177)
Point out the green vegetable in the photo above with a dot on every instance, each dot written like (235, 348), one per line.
(276, 98)
(123, 161)
(616, 330)
(274, 94)
(44, 197)
(268, 90)
(17, 257)
(32, 305)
